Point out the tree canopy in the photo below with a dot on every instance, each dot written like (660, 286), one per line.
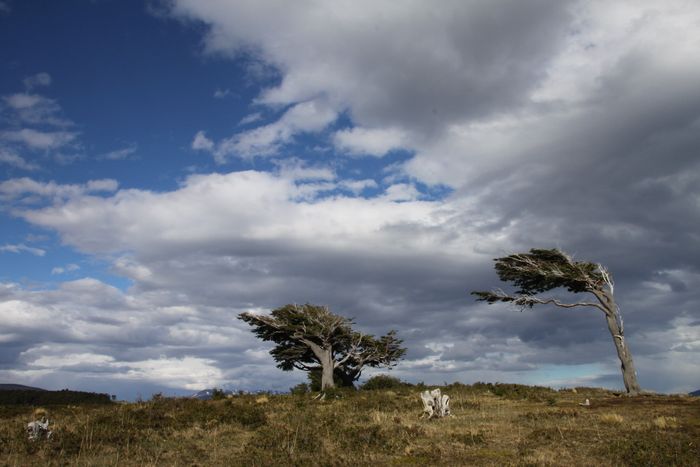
(310, 337)
(542, 270)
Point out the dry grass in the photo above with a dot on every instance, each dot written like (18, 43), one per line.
(663, 423)
(492, 425)
(611, 418)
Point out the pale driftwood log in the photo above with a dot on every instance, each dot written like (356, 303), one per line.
(435, 404)
(39, 429)
(427, 400)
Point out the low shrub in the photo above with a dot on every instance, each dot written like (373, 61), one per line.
(301, 388)
(32, 397)
(656, 448)
(519, 392)
(382, 382)
(218, 394)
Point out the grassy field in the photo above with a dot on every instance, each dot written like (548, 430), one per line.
(492, 425)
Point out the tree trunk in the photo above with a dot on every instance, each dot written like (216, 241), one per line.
(629, 374)
(347, 378)
(327, 365)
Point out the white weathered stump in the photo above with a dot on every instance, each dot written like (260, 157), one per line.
(39, 429)
(435, 404)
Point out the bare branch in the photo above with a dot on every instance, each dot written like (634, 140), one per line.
(529, 301)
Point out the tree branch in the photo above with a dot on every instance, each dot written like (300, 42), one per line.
(525, 300)
(352, 352)
(300, 366)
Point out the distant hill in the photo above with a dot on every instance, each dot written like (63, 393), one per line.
(18, 387)
(695, 393)
(17, 394)
(206, 394)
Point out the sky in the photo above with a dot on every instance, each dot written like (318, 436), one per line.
(167, 165)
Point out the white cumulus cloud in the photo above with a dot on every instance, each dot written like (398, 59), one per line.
(36, 139)
(21, 247)
(367, 141)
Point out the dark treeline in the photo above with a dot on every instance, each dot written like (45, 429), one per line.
(32, 397)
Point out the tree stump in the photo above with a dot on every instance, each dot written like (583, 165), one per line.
(39, 429)
(435, 404)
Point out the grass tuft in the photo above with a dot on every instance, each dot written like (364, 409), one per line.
(612, 418)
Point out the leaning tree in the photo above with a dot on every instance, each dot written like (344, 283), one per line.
(543, 270)
(310, 338)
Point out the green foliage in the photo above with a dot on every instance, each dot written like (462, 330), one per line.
(541, 270)
(314, 377)
(291, 325)
(303, 334)
(383, 382)
(218, 394)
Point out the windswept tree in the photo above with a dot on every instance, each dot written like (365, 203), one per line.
(310, 337)
(543, 270)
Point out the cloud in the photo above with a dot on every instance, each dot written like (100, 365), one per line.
(119, 154)
(10, 158)
(201, 142)
(96, 335)
(29, 189)
(257, 203)
(37, 80)
(402, 192)
(306, 117)
(250, 118)
(34, 123)
(35, 109)
(223, 93)
(4, 8)
(465, 60)
(365, 141)
(23, 101)
(358, 186)
(187, 372)
(19, 248)
(67, 268)
(255, 240)
(297, 170)
(39, 140)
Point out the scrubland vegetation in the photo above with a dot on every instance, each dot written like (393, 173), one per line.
(18, 396)
(492, 425)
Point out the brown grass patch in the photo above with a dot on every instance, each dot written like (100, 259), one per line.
(612, 418)
(492, 425)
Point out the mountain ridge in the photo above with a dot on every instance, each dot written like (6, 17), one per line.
(18, 387)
